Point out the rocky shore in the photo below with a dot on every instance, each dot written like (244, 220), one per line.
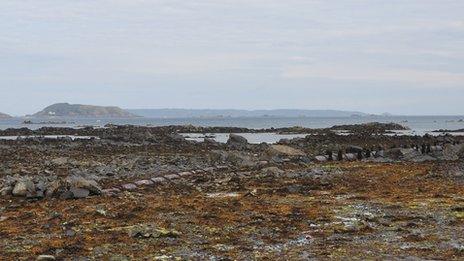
(131, 192)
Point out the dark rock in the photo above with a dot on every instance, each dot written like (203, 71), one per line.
(354, 149)
(237, 142)
(80, 192)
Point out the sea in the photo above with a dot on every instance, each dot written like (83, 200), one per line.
(418, 125)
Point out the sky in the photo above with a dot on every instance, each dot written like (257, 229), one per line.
(375, 56)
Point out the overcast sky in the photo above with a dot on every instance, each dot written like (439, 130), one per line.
(403, 57)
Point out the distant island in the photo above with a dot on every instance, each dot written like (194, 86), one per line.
(4, 116)
(82, 111)
(224, 113)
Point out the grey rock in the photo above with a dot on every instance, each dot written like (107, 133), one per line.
(350, 156)
(52, 188)
(158, 180)
(272, 171)
(129, 186)
(321, 158)
(80, 182)
(80, 192)
(67, 195)
(60, 161)
(237, 142)
(234, 138)
(6, 190)
(172, 176)
(45, 258)
(144, 182)
(185, 174)
(110, 192)
(23, 188)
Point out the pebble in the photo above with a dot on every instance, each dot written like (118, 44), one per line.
(144, 182)
(110, 191)
(321, 158)
(45, 258)
(222, 167)
(129, 186)
(185, 174)
(158, 180)
(172, 176)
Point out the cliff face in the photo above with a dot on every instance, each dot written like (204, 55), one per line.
(87, 111)
(4, 116)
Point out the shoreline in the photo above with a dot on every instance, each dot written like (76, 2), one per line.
(151, 189)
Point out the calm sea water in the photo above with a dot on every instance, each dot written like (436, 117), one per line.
(418, 124)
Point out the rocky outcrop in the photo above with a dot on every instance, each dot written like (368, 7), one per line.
(372, 127)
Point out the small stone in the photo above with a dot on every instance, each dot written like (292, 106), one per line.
(6, 191)
(70, 233)
(272, 171)
(222, 167)
(110, 191)
(321, 158)
(158, 180)
(185, 174)
(144, 182)
(45, 258)
(60, 161)
(263, 163)
(209, 169)
(129, 186)
(172, 176)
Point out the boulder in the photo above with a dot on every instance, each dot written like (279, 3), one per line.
(400, 153)
(53, 188)
(236, 158)
(354, 149)
(284, 150)
(80, 192)
(82, 183)
(241, 159)
(23, 188)
(453, 152)
(237, 142)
